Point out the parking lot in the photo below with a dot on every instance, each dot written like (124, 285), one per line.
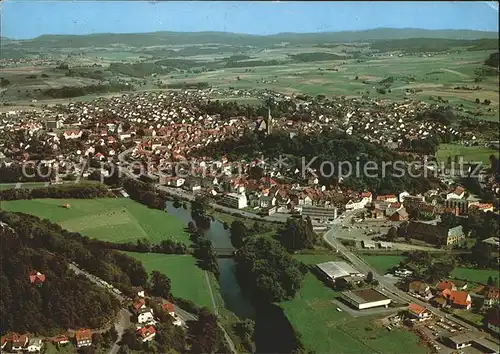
(435, 332)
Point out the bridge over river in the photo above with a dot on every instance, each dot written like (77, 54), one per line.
(225, 252)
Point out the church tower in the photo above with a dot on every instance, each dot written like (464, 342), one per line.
(269, 121)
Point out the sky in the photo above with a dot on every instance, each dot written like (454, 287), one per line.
(22, 19)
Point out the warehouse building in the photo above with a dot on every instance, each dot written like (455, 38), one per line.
(336, 270)
(365, 298)
(320, 213)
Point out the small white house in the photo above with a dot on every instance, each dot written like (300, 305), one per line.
(145, 315)
(34, 345)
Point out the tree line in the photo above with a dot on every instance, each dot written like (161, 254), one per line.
(77, 191)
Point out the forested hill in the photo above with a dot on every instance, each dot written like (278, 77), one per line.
(226, 38)
(62, 300)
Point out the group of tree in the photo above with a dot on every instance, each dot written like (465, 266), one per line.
(204, 251)
(199, 207)
(167, 246)
(267, 271)
(429, 267)
(297, 234)
(77, 191)
(76, 91)
(62, 301)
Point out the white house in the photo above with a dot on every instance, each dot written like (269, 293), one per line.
(34, 345)
(418, 312)
(458, 193)
(355, 204)
(72, 134)
(402, 196)
(145, 315)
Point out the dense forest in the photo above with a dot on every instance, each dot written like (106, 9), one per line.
(329, 146)
(64, 300)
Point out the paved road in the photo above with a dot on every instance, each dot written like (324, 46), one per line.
(386, 284)
(120, 326)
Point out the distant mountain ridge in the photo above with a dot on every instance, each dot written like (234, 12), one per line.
(228, 38)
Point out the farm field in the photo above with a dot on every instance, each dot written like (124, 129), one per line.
(382, 263)
(107, 219)
(188, 280)
(475, 275)
(469, 153)
(325, 330)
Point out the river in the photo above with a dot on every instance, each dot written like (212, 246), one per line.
(273, 331)
(232, 295)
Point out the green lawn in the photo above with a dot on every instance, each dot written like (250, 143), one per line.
(475, 275)
(108, 219)
(63, 349)
(325, 330)
(382, 263)
(469, 153)
(187, 279)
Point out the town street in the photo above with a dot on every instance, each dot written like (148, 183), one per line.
(386, 285)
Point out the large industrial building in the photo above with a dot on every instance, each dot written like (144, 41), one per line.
(336, 270)
(320, 213)
(365, 298)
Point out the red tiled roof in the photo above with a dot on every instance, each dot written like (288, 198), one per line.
(168, 307)
(445, 285)
(146, 331)
(493, 293)
(457, 297)
(36, 277)
(416, 309)
(83, 334)
(138, 304)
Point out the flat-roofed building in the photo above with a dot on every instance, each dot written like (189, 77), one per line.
(478, 340)
(385, 245)
(368, 244)
(321, 213)
(236, 201)
(335, 270)
(365, 298)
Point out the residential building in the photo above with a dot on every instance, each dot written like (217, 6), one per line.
(491, 296)
(83, 338)
(138, 291)
(34, 345)
(36, 277)
(145, 315)
(146, 333)
(403, 273)
(321, 213)
(457, 193)
(19, 342)
(169, 308)
(446, 284)
(138, 305)
(391, 198)
(72, 134)
(435, 234)
(493, 324)
(420, 288)
(400, 215)
(458, 299)
(236, 201)
(60, 340)
(418, 312)
(53, 124)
